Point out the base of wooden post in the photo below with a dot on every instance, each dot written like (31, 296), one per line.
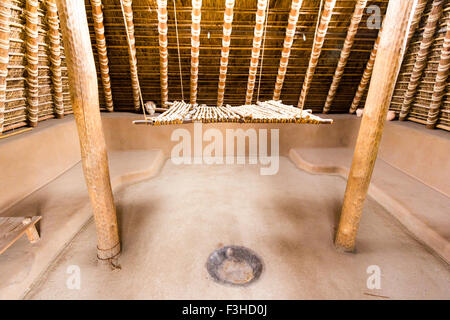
(344, 249)
(108, 254)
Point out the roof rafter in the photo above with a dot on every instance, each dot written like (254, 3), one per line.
(319, 39)
(286, 52)
(163, 53)
(440, 82)
(97, 14)
(345, 53)
(32, 50)
(227, 28)
(195, 47)
(128, 15)
(257, 39)
(5, 13)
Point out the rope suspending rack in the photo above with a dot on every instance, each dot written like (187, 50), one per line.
(270, 111)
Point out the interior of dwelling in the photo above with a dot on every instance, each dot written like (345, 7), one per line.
(225, 149)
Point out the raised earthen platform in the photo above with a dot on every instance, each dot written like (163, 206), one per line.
(172, 220)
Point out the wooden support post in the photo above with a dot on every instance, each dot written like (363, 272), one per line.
(163, 53)
(5, 13)
(195, 47)
(257, 39)
(319, 39)
(345, 53)
(84, 97)
(385, 73)
(226, 40)
(129, 26)
(55, 57)
(97, 13)
(422, 57)
(32, 68)
(441, 81)
(286, 52)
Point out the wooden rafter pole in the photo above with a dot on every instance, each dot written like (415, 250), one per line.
(420, 8)
(286, 52)
(440, 83)
(55, 57)
(163, 53)
(97, 14)
(256, 49)
(32, 66)
(84, 97)
(319, 39)
(129, 26)
(422, 57)
(366, 75)
(195, 47)
(5, 13)
(345, 53)
(226, 40)
(385, 73)
(369, 67)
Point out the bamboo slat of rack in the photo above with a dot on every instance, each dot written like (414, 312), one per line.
(5, 13)
(99, 29)
(422, 57)
(441, 81)
(319, 39)
(195, 47)
(163, 53)
(286, 52)
(226, 40)
(84, 96)
(128, 12)
(55, 57)
(387, 66)
(31, 12)
(257, 39)
(345, 53)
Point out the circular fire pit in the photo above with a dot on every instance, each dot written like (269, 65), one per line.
(234, 265)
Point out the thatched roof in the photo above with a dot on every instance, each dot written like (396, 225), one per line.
(145, 21)
(148, 60)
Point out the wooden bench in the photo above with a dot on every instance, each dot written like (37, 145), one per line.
(12, 228)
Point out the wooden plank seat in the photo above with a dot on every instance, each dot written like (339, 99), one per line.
(12, 228)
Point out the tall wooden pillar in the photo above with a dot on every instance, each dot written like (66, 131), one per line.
(84, 97)
(387, 64)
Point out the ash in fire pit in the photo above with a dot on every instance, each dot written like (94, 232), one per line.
(234, 265)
